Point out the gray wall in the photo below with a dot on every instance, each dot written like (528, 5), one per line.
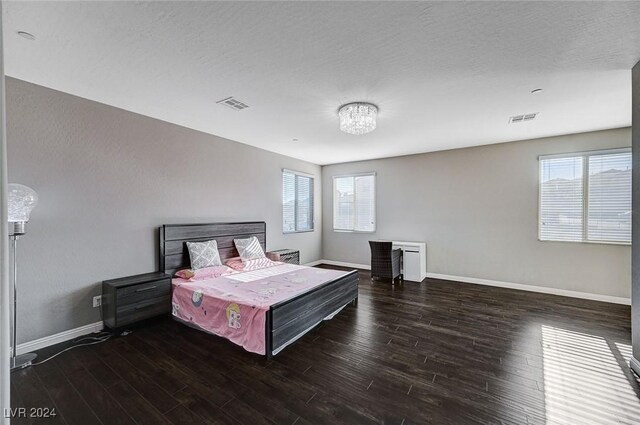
(477, 210)
(106, 178)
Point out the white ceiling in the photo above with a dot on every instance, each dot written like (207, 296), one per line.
(444, 75)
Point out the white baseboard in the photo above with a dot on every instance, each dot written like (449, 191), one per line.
(27, 347)
(343, 264)
(313, 263)
(509, 285)
(532, 288)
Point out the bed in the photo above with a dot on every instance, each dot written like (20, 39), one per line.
(305, 296)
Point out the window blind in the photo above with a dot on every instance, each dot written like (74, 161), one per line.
(354, 204)
(586, 197)
(297, 202)
(561, 199)
(609, 198)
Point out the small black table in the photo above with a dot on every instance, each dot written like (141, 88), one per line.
(131, 299)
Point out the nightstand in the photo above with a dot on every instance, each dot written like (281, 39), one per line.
(291, 256)
(131, 299)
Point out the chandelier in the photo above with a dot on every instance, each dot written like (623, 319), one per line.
(358, 118)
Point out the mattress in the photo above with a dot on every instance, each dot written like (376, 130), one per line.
(234, 306)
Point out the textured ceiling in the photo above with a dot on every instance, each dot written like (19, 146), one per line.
(444, 74)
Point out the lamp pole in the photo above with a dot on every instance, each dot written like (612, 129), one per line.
(14, 342)
(22, 360)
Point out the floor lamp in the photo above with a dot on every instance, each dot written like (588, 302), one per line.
(21, 201)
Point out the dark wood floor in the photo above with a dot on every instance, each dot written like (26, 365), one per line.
(441, 352)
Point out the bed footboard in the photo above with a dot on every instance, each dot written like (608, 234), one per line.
(289, 320)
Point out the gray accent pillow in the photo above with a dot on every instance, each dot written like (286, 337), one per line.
(203, 254)
(249, 249)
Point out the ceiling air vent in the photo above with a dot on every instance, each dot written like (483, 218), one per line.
(233, 103)
(522, 118)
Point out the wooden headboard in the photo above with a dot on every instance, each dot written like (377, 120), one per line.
(174, 237)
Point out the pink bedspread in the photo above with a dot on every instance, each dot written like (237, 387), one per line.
(234, 306)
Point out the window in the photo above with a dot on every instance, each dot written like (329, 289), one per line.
(297, 202)
(586, 197)
(354, 203)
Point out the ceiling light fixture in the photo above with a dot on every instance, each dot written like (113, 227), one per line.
(26, 35)
(358, 118)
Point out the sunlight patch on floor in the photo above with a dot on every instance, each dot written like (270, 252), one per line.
(583, 380)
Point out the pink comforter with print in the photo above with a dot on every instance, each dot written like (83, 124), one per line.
(234, 306)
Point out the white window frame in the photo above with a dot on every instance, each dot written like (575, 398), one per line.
(295, 202)
(585, 193)
(375, 203)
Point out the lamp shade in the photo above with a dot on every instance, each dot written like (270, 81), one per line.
(21, 201)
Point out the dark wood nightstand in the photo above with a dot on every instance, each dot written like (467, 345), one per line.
(291, 256)
(134, 298)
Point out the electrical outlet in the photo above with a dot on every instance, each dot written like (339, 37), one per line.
(97, 301)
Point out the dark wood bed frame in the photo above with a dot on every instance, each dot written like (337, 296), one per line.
(286, 321)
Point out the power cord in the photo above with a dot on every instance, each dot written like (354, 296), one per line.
(96, 341)
(99, 338)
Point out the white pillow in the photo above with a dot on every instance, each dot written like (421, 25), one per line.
(203, 254)
(249, 249)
